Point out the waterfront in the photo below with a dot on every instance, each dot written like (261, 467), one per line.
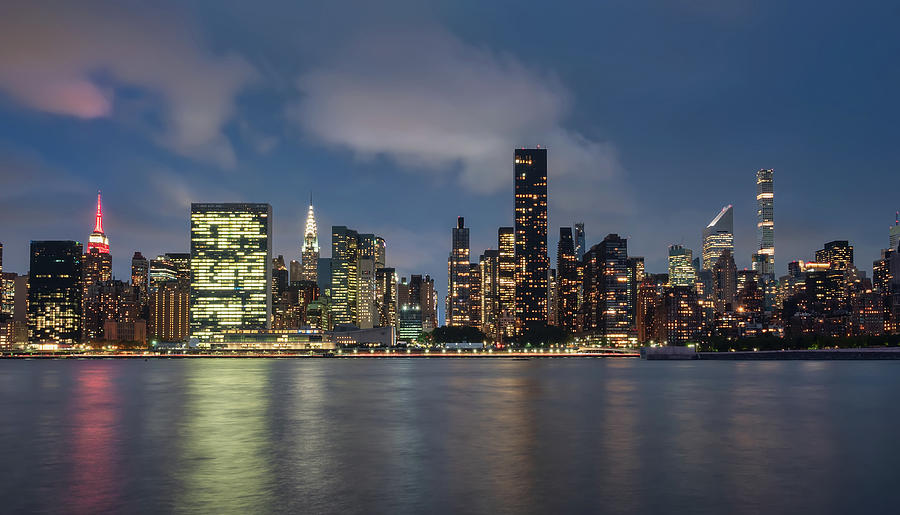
(498, 435)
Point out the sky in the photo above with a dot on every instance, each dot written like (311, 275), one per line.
(400, 116)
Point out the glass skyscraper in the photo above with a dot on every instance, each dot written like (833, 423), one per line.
(532, 260)
(681, 271)
(718, 237)
(231, 268)
(54, 292)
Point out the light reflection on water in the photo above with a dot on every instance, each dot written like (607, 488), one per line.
(446, 436)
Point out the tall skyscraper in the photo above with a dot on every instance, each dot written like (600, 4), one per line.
(54, 292)
(635, 276)
(506, 246)
(764, 259)
(386, 296)
(310, 251)
(718, 237)
(681, 271)
(373, 247)
(580, 244)
(532, 260)
(169, 313)
(894, 233)
(567, 280)
(344, 262)
(366, 310)
(97, 239)
(458, 268)
(231, 268)
(606, 295)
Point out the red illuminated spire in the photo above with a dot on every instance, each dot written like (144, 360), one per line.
(98, 240)
(98, 227)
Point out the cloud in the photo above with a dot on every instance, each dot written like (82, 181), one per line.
(68, 58)
(434, 104)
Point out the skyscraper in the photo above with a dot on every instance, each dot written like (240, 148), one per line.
(718, 237)
(366, 311)
(169, 314)
(567, 280)
(458, 272)
(894, 233)
(681, 271)
(231, 268)
(182, 262)
(386, 296)
(580, 245)
(140, 274)
(606, 292)
(344, 262)
(764, 259)
(532, 260)
(724, 275)
(506, 246)
(635, 276)
(488, 274)
(310, 251)
(54, 292)
(97, 239)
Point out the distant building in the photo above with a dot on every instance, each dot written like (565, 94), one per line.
(606, 292)
(579, 241)
(410, 326)
(134, 332)
(182, 262)
(309, 252)
(169, 313)
(567, 280)
(140, 277)
(458, 271)
(488, 274)
(98, 240)
(894, 233)
(506, 278)
(386, 296)
(54, 292)
(764, 260)
(718, 237)
(231, 268)
(681, 271)
(838, 253)
(530, 213)
(724, 274)
(344, 262)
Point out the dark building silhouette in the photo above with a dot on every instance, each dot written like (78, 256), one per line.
(54, 292)
(532, 260)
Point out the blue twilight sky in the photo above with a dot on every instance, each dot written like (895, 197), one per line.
(398, 117)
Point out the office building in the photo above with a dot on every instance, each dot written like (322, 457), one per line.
(839, 254)
(231, 268)
(386, 296)
(718, 237)
(532, 260)
(182, 262)
(344, 262)
(724, 275)
(458, 272)
(309, 253)
(681, 270)
(635, 276)
(54, 292)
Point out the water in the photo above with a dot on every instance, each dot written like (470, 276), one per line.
(448, 436)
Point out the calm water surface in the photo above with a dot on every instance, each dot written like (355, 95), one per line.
(449, 436)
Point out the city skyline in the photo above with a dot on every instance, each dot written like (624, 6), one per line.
(638, 177)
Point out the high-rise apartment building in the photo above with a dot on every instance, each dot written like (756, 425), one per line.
(567, 280)
(231, 268)
(506, 278)
(169, 313)
(458, 272)
(532, 260)
(606, 292)
(386, 296)
(894, 233)
(718, 237)
(488, 274)
(635, 276)
(580, 242)
(681, 271)
(54, 292)
(309, 253)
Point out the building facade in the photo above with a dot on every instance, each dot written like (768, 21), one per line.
(530, 213)
(718, 237)
(231, 268)
(54, 292)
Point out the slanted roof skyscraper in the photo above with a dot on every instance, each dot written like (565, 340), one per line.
(718, 237)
